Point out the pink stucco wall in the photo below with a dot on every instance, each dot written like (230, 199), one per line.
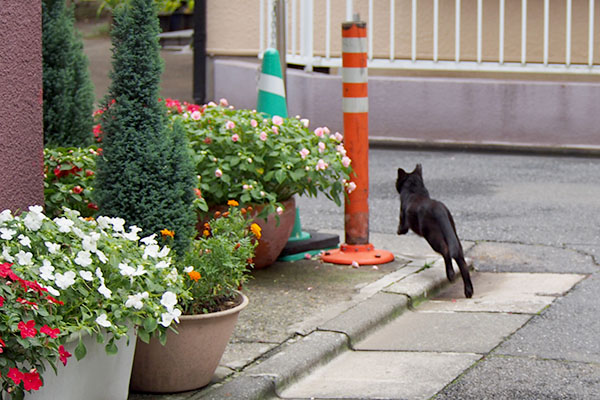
(21, 123)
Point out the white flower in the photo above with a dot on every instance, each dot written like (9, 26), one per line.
(65, 280)
(189, 269)
(89, 242)
(162, 264)
(7, 234)
(24, 240)
(5, 216)
(64, 224)
(150, 251)
(103, 222)
(104, 291)
(133, 233)
(102, 320)
(83, 258)
(164, 252)
(71, 213)
(6, 254)
(46, 271)
(135, 300)
(34, 218)
(168, 317)
(172, 276)
(52, 247)
(117, 224)
(101, 256)
(24, 258)
(148, 240)
(168, 300)
(52, 291)
(127, 270)
(86, 275)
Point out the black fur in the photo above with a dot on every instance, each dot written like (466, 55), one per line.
(432, 220)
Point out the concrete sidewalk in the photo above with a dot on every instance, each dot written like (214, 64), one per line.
(406, 334)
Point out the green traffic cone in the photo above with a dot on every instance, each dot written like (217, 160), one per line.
(297, 233)
(271, 89)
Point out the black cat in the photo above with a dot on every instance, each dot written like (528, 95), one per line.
(430, 219)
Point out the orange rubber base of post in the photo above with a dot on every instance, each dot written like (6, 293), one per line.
(363, 254)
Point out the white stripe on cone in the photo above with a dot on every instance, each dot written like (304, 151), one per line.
(355, 104)
(354, 45)
(354, 75)
(271, 84)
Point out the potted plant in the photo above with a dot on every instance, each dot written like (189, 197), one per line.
(92, 279)
(244, 155)
(215, 268)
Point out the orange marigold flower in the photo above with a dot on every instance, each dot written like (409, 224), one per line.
(206, 233)
(226, 214)
(256, 230)
(217, 214)
(233, 203)
(243, 210)
(165, 232)
(194, 275)
(198, 193)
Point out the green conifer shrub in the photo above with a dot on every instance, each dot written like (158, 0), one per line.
(145, 174)
(68, 89)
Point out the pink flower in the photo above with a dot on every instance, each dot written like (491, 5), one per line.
(321, 165)
(326, 130)
(275, 130)
(263, 136)
(1, 301)
(351, 187)
(319, 132)
(229, 125)
(279, 210)
(223, 102)
(277, 120)
(340, 149)
(346, 161)
(307, 256)
(305, 122)
(235, 137)
(321, 147)
(304, 152)
(355, 264)
(338, 136)
(196, 115)
(218, 173)
(254, 123)
(246, 187)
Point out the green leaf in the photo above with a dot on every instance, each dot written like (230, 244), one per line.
(99, 337)
(150, 324)
(80, 350)
(143, 335)
(111, 348)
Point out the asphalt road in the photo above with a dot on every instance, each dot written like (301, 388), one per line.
(526, 214)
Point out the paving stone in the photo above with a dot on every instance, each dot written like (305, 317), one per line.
(443, 331)
(504, 292)
(381, 375)
(421, 284)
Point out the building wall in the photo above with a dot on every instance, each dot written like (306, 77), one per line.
(21, 137)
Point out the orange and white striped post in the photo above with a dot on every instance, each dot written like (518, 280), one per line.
(355, 105)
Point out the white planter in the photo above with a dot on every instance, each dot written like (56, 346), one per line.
(98, 376)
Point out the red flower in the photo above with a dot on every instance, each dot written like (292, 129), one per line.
(207, 140)
(53, 333)
(2, 345)
(31, 380)
(63, 354)
(54, 301)
(5, 269)
(27, 329)
(15, 375)
(89, 172)
(27, 302)
(92, 206)
(1, 301)
(77, 189)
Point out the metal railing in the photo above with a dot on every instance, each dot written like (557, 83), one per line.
(301, 40)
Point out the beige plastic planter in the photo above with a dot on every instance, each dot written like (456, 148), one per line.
(189, 359)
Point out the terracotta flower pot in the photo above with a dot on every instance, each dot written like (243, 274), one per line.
(189, 359)
(274, 236)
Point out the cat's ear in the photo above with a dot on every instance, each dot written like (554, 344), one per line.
(418, 170)
(401, 174)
